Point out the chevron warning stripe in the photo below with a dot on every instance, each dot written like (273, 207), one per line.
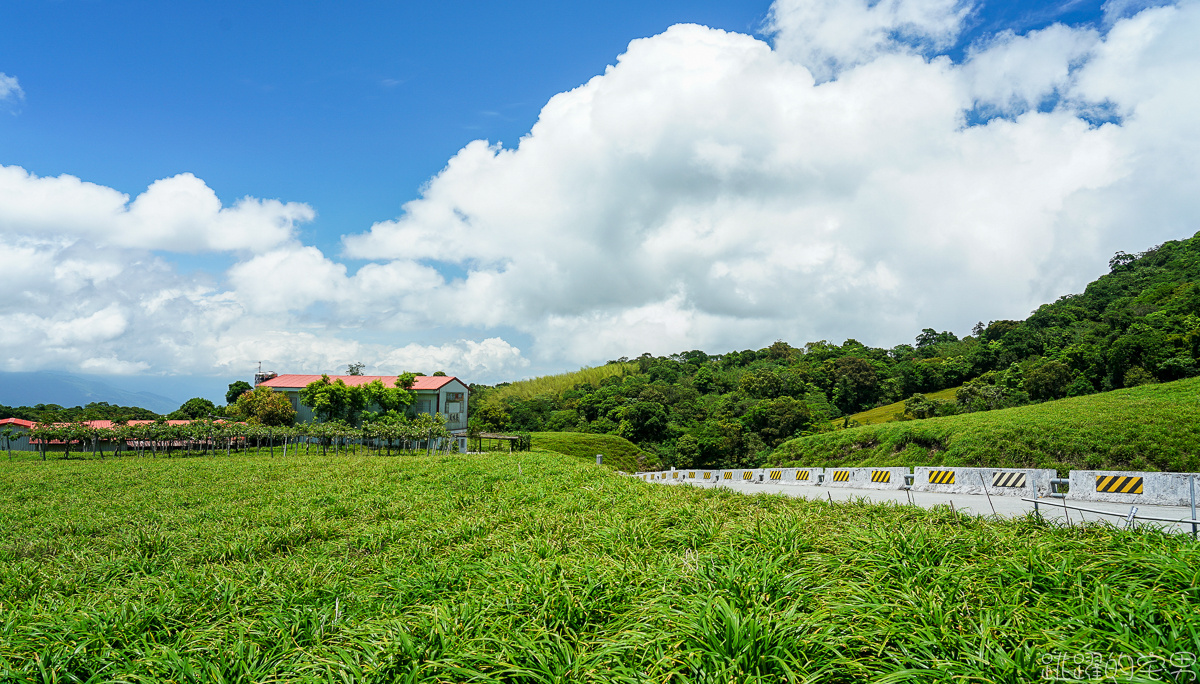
(691, 474)
(747, 474)
(674, 476)
(728, 476)
(1117, 484)
(841, 476)
(776, 474)
(1002, 479)
(881, 476)
(941, 477)
(801, 474)
(706, 474)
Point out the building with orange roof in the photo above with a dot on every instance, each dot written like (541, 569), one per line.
(444, 394)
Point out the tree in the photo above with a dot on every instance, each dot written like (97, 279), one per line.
(333, 399)
(778, 420)
(264, 406)
(856, 384)
(643, 421)
(236, 390)
(355, 368)
(490, 418)
(687, 451)
(381, 398)
(761, 384)
(1048, 381)
(193, 409)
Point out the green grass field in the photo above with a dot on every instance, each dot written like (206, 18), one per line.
(619, 453)
(538, 568)
(1152, 427)
(889, 412)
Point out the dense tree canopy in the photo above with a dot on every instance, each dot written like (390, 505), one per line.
(334, 400)
(236, 389)
(264, 406)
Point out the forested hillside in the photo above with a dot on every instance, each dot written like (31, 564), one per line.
(1138, 324)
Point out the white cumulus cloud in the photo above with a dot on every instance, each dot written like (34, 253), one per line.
(180, 214)
(710, 191)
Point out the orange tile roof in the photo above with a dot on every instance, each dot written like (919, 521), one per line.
(423, 382)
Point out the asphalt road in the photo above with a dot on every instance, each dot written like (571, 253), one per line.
(975, 504)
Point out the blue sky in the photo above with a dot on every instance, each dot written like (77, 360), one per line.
(713, 188)
(349, 109)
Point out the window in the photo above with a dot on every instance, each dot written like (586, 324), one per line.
(454, 396)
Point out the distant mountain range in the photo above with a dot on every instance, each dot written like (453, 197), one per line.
(159, 394)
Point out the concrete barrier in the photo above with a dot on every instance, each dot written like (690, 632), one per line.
(749, 475)
(793, 476)
(866, 478)
(1161, 489)
(739, 475)
(708, 475)
(1029, 482)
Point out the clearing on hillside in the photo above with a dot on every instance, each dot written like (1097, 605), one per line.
(889, 413)
(556, 384)
(619, 453)
(1152, 427)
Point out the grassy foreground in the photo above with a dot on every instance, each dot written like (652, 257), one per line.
(537, 568)
(619, 453)
(1152, 427)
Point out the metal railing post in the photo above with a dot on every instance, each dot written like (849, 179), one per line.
(1192, 489)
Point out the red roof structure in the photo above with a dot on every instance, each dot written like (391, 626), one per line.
(422, 382)
(17, 422)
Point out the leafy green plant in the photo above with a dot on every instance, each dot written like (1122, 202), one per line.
(536, 567)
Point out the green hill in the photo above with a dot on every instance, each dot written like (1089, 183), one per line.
(1151, 427)
(619, 453)
(1137, 323)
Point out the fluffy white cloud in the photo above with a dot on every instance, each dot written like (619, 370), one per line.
(492, 357)
(828, 37)
(74, 304)
(709, 190)
(179, 214)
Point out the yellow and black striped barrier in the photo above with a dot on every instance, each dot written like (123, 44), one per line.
(1117, 484)
(941, 477)
(707, 475)
(1134, 487)
(802, 475)
(728, 475)
(881, 476)
(1003, 479)
(841, 476)
(747, 474)
(691, 474)
(776, 474)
